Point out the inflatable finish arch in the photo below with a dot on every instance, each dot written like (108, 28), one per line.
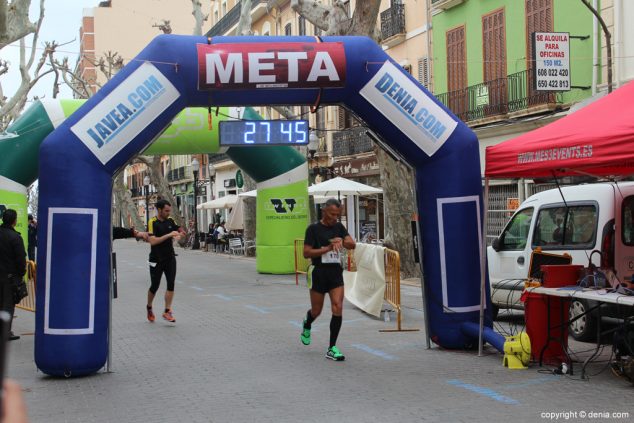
(78, 160)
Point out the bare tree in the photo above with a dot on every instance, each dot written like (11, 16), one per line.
(123, 200)
(199, 17)
(395, 177)
(32, 197)
(14, 21)
(164, 27)
(333, 20)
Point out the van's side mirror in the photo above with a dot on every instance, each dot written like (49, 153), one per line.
(496, 244)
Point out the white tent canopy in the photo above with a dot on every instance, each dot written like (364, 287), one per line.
(341, 186)
(235, 221)
(225, 202)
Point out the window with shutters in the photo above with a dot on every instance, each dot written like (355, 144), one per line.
(423, 71)
(493, 94)
(302, 25)
(539, 18)
(346, 119)
(457, 71)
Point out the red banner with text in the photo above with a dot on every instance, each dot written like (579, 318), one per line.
(271, 65)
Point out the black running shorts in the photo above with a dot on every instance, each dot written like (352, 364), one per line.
(327, 277)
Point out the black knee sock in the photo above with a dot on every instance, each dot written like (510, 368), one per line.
(335, 326)
(309, 320)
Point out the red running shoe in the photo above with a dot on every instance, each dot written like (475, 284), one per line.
(168, 316)
(150, 314)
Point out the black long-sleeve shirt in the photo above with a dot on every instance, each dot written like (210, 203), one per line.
(12, 252)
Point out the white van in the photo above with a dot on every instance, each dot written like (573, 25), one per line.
(588, 217)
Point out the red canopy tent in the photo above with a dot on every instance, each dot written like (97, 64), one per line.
(594, 140)
(597, 140)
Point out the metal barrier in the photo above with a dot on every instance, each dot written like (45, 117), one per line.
(393, 288)
(301, 263)
(28, 302)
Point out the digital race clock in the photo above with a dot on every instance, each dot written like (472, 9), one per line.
(237, 133)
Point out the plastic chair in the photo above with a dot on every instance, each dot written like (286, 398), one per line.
(235, 246)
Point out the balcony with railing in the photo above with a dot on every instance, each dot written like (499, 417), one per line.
(177, 174)
(350, 142)
(444, 4)
(393, 25)
(232, 17)
(499, 98)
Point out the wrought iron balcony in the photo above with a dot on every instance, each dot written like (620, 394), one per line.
(393, 21)
(231, 18)
(176, 174)
(498, 97)
(350, 142)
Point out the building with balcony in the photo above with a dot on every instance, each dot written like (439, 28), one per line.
(483, 66)
(484, 71)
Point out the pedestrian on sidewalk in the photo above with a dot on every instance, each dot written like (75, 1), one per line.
(162, 230)
(12, 263)
(32, 238)
(322, 244)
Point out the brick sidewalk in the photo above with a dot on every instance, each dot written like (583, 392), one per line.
(234, 355)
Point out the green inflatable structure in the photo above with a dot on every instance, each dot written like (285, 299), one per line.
(281, 172)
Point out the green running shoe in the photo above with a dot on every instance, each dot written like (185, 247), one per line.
(333, 353)
(305, 336)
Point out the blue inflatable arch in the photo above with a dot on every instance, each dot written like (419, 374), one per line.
(79, 159)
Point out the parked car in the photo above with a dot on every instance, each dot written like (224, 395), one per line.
(576, 220)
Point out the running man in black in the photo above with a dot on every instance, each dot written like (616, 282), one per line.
(322, 244)
(162, 230)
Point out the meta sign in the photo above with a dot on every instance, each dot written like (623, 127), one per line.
(552, 61)
(271, 65)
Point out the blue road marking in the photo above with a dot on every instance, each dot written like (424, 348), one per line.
(378, 353)
(256, 308)
(224, 297)
(484, 391)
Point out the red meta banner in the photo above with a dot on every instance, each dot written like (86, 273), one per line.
(271, 65)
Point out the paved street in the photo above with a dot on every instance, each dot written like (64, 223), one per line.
(234, 355)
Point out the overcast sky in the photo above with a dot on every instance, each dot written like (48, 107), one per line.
(62, 19)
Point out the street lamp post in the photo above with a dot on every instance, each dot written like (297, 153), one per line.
(195, 168)
(210, 196)
(313, 145)
(146, 184)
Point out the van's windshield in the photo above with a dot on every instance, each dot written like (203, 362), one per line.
(516, 233)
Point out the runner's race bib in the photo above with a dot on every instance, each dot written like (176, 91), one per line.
(331, 257)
